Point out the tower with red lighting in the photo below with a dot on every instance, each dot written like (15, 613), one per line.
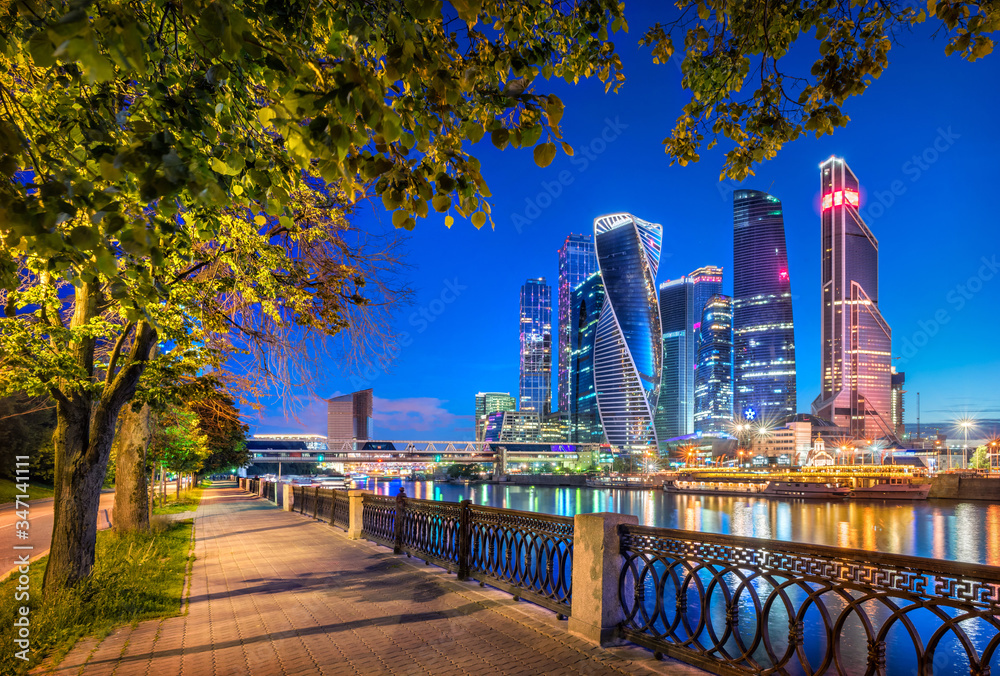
(856, 340)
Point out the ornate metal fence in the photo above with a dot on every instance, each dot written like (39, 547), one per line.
(736, 605)
(341, 510)
(378, 518)
(524, 553)
(433, 531)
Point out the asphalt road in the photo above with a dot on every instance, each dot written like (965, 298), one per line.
(39, 530)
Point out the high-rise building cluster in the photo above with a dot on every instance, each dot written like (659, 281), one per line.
(640, 366)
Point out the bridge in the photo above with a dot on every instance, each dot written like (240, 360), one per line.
(409, 452)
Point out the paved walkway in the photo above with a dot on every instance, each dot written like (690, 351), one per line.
(274, 592)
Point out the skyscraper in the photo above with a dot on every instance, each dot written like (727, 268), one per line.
(349, 416)
(577, 261)
(584, 418)
(491, 402)
(536, 347)
(857, 341)
(896, 407)
(681, 304)
(763, 332)
(713, 376)
(627, 348)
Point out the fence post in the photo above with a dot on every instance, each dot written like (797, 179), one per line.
(355, 519)
(398, 520)
(288, 497)
(464, 537)
(316, 502)
(597, 561)
(302, 502)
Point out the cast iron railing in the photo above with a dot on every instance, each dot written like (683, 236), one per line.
(527, 554)
(737, 605)
(341, 510)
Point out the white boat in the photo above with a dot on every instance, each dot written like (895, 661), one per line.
(622, 482)
(714, 487)
(892, 489)
(337, 481)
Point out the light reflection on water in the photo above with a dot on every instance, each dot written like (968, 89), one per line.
(942, 529)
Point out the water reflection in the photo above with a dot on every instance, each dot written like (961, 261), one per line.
(943, 529)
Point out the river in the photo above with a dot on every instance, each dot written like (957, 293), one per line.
(942, 529)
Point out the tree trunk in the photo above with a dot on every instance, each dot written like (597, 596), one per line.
(131, 512)
(180, 476)
(85, 431)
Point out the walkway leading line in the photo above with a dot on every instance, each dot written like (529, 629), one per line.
(275, 593)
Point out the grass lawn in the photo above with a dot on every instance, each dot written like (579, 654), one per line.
(8, 490)
(188, 502)
(136, 577)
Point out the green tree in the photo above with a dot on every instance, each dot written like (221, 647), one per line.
(219, 420)
(980, 459)
(177, 444)
(746, 90)
(158, 162)
(464, 471)
(26, 426)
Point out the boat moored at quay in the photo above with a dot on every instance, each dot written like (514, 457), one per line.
(861, 484)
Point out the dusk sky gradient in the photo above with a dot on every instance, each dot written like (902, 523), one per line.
(938, 233)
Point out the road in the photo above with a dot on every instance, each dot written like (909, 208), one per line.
(39, 530)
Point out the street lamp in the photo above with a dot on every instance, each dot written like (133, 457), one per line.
(964, 424)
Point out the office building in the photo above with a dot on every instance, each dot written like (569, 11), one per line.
(896, 408)
(577, 262)
(763, 332)
(584, 417)
(491, 402)
(856, 340)
(627, 348)
(349, 416)
(713, 374)
(536, 347)
(513, 426)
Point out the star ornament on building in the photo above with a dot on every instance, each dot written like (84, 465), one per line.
(749, 413)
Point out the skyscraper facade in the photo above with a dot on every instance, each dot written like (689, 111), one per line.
(536, 347)
(491, 402)
(577, 261)
(896, 407)
(627, 348)
(713, 375)
(681, 304)
(763, 332)
(584, 418)
(857, 342)
(350, 416)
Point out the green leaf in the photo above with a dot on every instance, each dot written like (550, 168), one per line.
(500, 138)
(544, 154)
(441, 203)
(84, 237)
(479, 219)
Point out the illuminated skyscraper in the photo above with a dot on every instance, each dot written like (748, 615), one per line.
(857, 341)
(763, 332)
(584, 418)
(350, 416)
(491, 402)
(681, 304)
(536, 347)
(577, 261)
(627, 349)
(713, 375)
(896, 407)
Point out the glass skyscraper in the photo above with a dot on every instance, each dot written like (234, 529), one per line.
(577, 261)
(857, 341)
(584, 418)
(763, 331)
(682, 302)
(491, 402)
(536, 347)
(713, 375)
(627, 348)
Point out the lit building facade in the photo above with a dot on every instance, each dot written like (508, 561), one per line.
(713, 374)
(584, 417)
(627, 347)
(491, 402)
(897, 380)
(536, 347)
(857, 342)
(513, 426)
(682, 302)
(763, 331)
(349, 416)
(577, 262)
(793, 441)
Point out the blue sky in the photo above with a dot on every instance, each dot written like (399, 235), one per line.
(923, 141)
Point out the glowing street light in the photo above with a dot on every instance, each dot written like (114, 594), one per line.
(965, 424)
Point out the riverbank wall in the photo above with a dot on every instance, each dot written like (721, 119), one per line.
(957, 487)
(543, 480)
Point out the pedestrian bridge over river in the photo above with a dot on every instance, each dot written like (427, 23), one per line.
(409, 452)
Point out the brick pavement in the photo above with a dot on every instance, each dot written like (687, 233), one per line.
(276, 593)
